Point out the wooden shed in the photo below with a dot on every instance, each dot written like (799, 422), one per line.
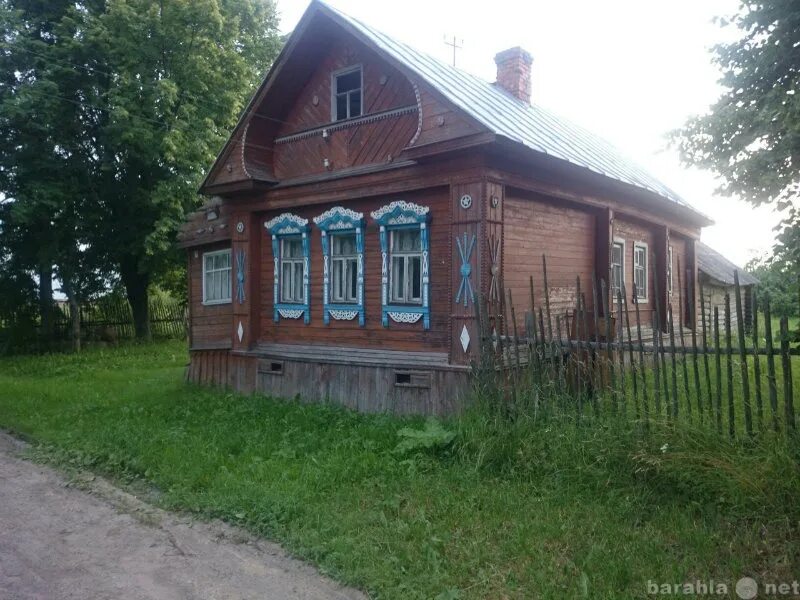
(716, 276)
(370, 192)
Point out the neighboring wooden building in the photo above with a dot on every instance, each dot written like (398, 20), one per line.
(369, 191)
(716, 275)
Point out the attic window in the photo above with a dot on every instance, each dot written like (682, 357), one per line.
(347, 94)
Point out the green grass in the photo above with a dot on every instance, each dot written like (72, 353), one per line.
(526, 509)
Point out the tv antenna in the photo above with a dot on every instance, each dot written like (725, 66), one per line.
(455, 44)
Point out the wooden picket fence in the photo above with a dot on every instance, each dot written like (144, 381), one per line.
(111, 318)
(587, 362)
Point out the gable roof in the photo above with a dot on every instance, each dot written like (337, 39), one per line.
(504, 115)
(716, 266)
(531, 126)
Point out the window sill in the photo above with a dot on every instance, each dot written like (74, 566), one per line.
(216, 302)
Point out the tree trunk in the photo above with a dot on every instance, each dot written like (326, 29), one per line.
(46, 301)
(74, 315)
(136, 284)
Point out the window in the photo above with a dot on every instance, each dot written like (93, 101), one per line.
(217, 277)
(405, 276)
(617, 268)
(343, 264)
(669, 271)
(344, 259)
(640, 270)
(347, 97)
(405, 284)
(292, 270)
(291, 298)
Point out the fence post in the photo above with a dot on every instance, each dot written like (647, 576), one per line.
(771, 378)
(748, 411)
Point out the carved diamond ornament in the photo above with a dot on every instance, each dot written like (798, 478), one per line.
(464, 338)
(240, 331)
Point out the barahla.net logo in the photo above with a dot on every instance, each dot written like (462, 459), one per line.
(746, 588)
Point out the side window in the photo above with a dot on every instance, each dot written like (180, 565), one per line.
(217, 277)
(343, 264)
(405, 262)
(640, 270)
(290, 254)
(347, 96)
(617, 269)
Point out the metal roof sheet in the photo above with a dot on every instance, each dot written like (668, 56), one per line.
(713, 264)
(504, 115)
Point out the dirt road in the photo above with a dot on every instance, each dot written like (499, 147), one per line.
(94, 541)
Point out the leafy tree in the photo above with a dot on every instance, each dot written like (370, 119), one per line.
(120, 106)
(751, 135)
(778, 282)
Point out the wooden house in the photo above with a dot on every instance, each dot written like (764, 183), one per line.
(369, 192)
(715, 273)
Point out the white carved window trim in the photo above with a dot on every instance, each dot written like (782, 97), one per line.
(280, 227)
(398, 215)
(335, 221)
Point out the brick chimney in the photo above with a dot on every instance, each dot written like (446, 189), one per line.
(514, 72)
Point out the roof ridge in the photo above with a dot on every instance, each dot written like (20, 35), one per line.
(539, 128)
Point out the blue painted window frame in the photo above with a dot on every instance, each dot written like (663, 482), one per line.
(395, 216)
(283, 226)
(340, 220)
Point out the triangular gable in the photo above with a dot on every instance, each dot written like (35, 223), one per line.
(238, 162)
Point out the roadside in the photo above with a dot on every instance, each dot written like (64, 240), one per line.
(88, 539)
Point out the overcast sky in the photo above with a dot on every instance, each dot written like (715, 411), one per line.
(628, 70)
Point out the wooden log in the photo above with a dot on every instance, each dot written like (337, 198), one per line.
(748, 410)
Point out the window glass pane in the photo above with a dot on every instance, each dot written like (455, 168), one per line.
(398, 279)
(407, 240)
(344, 245)
(298, 282)
(338, 277)
(353, 279)
(225, 284)
(355, 103)
(286, 275)
(292, 248)
(208, 261)
(209, 293)
(341, 107)
(416, 277)
(348, 81)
